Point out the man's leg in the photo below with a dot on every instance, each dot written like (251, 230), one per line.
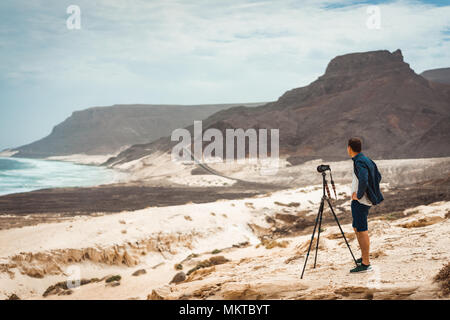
(359, 215)
(354, 220)
(364, 244)
(358, 238)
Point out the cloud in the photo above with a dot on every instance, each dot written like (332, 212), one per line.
(209, 51)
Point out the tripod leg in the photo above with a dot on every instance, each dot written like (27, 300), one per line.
(343, 234)
(318, 237)
(312, 236)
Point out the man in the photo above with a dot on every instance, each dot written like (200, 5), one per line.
(365, 193)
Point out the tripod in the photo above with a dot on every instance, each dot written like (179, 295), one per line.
(319, 219)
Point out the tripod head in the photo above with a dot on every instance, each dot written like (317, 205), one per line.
(323, 168)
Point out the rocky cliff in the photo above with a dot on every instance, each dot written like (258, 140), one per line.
(374, 95)
(105, 130)
(441, 75)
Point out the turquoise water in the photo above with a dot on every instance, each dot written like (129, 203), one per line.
(21, 175)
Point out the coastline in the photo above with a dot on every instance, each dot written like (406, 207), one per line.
(21, 175)
(83, 159)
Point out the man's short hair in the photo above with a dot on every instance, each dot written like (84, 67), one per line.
(355, 144)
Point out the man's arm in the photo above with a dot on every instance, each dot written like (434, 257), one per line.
(363, 179)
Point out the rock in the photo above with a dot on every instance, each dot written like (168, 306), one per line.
(200, 274)
(129, 260)
(113, 278)
(270, 244)
(159, 293)
(240, 292)
(178, 266)
(206, 291)
(292, 204)
(285, 217)
(14, 297)
(139, 272)
(113, 284)
(61, 288)
(283, 289)
(218, 260)
(33, 272)
(215, 260)
(179, 277)
(65, 292)
(241, 244)
(423, 222)
(55, 289)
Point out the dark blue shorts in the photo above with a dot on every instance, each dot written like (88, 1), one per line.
(359, 215)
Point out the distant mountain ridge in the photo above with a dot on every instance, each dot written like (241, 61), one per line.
(441, 75)
(374, 95)
(105, 130)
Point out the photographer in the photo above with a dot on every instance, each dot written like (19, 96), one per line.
(365, 193)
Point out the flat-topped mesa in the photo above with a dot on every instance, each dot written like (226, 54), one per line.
(348, 71)
(367, 62)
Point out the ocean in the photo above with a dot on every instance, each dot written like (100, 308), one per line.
(22, 175)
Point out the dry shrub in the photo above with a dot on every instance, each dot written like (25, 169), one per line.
(443, 278)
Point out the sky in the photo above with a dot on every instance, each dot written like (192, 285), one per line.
(190, 51)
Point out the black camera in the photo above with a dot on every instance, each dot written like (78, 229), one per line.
(323, 167)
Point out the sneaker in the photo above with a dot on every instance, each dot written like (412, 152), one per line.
(361, 269)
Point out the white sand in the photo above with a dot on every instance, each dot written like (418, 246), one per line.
(159, 166)
(408, 258)
(83, 158)
(7, 153)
